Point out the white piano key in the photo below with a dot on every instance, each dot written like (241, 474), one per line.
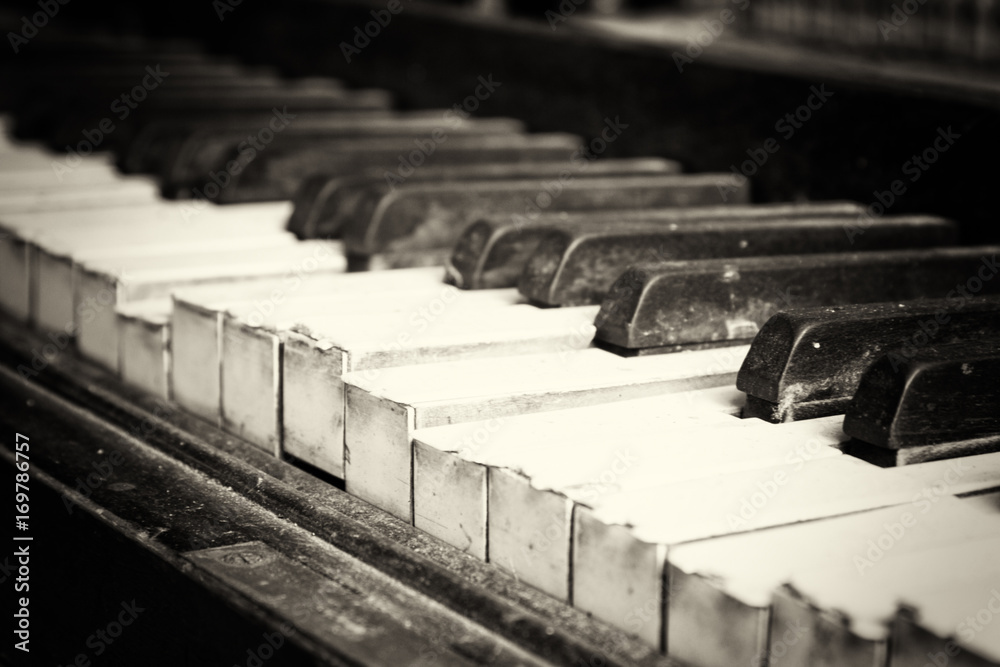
(532, 491)
(29, 157)
(80, 176)
(100, 195)
(472, 325)
(52, 276)
(857, 631)
(144, 345)
(18, 256)
(100, 285)
(955, 624)
(865, 597)
(720, 590)
(315, 361)
(717, 506)
(449, 462)
(196, 320)
(383, 409)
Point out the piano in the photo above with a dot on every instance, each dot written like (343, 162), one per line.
(608, 333)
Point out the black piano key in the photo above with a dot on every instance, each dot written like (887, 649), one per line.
(324, 204)
(940, 402)
(807, 362)
(577, 266)
(492, 252)
(657, 307)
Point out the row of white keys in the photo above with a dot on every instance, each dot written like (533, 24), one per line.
(721, 590)
(101, 284)
(21, 222)
(865, 592)
(318, 349)
(727, 504)
(384, 409)
(452, 464)
(67, 239)
(252, 375)
(954, 622)
(595, 571)
(197, 316)
(533, 484)
(513, 483)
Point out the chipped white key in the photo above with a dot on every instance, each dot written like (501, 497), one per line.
(532, 494)
(720, 590)
(856, 630)
(666, 516)
(956, 625)
(862, 593)
(449, 462)
(383, 411)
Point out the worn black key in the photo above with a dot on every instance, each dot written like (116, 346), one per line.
(941, 402)
(276, 172)
(325, 203)
(427, 218)
(806, 362)
(576, 266)
(664, 306)
(492, 252)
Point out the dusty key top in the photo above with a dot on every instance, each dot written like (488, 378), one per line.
(431, 216)
(324, 204)
(576, 266)
(276, 173)
(492, 251)
(670, 304)
(806, 362)
(936, 402)
(945, 627)
(719, 608)
(382, 411)
(865, 602)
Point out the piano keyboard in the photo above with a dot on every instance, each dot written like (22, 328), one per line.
(592, 449)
